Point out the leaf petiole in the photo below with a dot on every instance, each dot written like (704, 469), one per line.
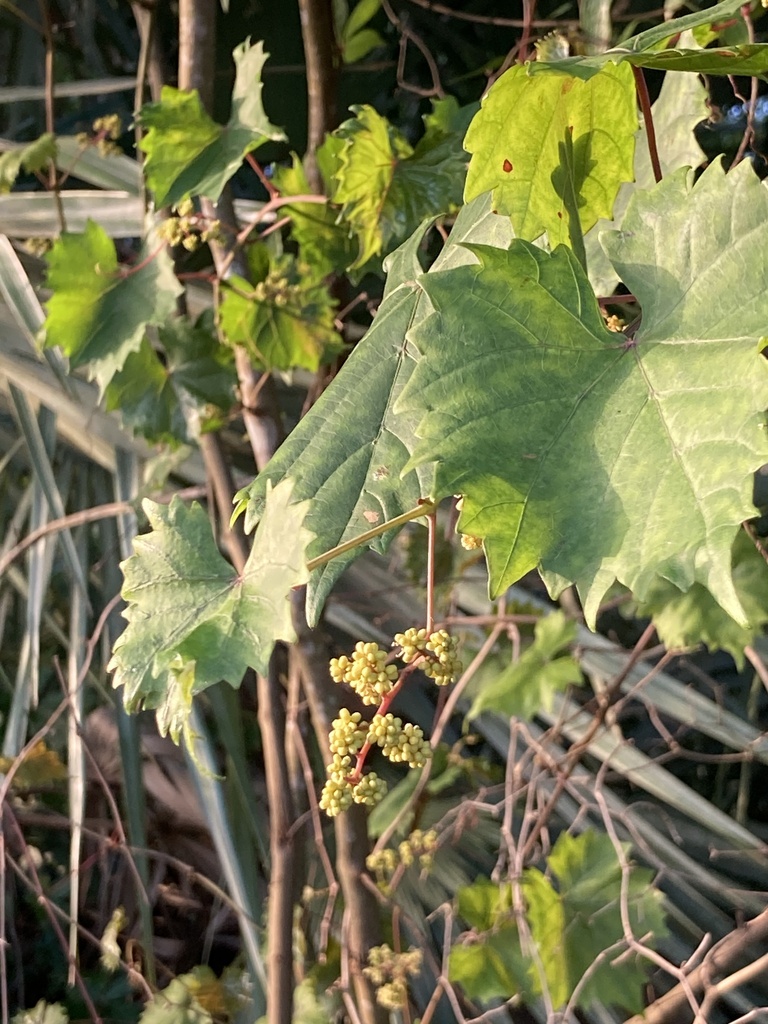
(426, 508)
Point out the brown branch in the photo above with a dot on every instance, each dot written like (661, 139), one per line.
(282, 848)
(197, 48)
(321, 55)
(674, 1006)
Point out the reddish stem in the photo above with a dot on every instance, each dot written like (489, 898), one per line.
(386, 704)
(259, 172)
(641, 87)
(127, 271)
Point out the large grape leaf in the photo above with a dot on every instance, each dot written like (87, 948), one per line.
(99, 311)
(591, 456)
(386, 187)
(189, 154)
(348, 453)
(187, 606)
(516, 142)
(648, 50)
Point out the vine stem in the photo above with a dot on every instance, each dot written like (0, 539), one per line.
(641, 87)
(425, 509)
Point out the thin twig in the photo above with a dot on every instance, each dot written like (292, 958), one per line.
(486, 19)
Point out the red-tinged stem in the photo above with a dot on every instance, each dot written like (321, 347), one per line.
(127, 271)
(259, 172)
(274, 204)
(641, 86)
(431, 530)
(386, 704)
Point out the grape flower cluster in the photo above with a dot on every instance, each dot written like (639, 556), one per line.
(419, 848)
(389, 972)
(369, 672)
(106, 132)
(189, 228)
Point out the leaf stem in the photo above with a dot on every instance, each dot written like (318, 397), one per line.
(431, 528)
(424, 509)
(641, 87)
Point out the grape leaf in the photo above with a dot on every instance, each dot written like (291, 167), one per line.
(356, 40)
(516, 141)
(187, 604)
(34, 156)
(348, 452)
(598, 458)
(571, 923)
(681, 104)
(386, 187)
(749, 59)
(484, 904)
(494, 968)
(574, 923)
(647, 50)
(99, 311)
(324, 243)
(529, 684)
(170, 400)
(684, 620)
(189, 154)
(286, 319)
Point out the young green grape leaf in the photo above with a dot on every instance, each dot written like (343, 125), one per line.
(573, 923)
(516, 141)
(602, 458)
(355, 39)
(324, 243)
(285, 319)
(386, 187)
(493, 968)
(348, 452)
(692, 618)
(99, 311)
(484, 904)
(170, 400)
(186, 604)
(189, 154)
(32, 157)
(529, 684)
(572, 920)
